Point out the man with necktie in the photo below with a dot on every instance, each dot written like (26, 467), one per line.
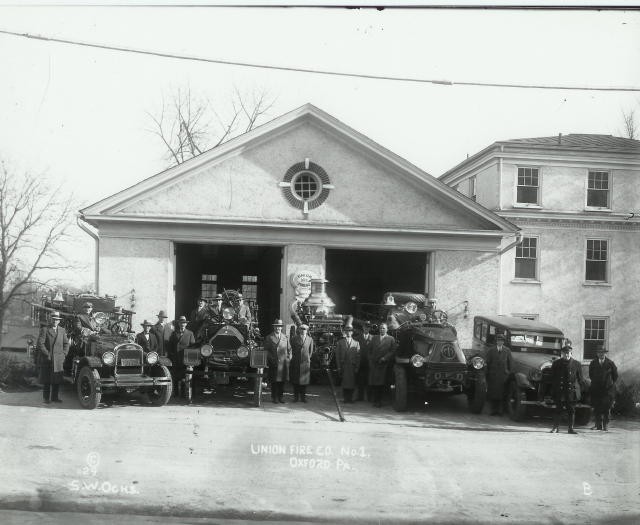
(52, 346)
(603, 374)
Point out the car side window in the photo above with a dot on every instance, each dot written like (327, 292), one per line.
(484, 331)
(477, 332)
(491, 336)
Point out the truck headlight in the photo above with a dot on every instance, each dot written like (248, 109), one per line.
(477, 362)
(417, 360)
(108, 358)
(152, 358)
(242, 352)
(206, 350)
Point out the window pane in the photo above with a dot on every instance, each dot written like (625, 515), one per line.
(599, 198)
(596, 271)
(525, 268)
(594, 333)
(527, 195)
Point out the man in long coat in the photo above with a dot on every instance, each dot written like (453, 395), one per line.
(163, 330)
(348, 362)
(201, 312)
(603, 374)
(216, 309)
(180, 339)
(566, 372)
(499, 368)
(383, 347)
(146, 339)
(362, 379)
(52, 346)
(302, 346)
(86, 321)
(244, 312)
(278, 357)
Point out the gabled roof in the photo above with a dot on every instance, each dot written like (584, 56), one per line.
(111, 205)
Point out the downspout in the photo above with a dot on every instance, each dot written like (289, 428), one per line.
(84, 228)
(517, 241)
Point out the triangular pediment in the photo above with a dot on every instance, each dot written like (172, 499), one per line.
(245, 180)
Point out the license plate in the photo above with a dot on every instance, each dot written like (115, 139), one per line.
(129, 362)
(221, 378)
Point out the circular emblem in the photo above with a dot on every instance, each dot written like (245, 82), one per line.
(302, 278)
(306, 185)
(448, 351)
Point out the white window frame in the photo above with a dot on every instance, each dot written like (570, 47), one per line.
(536, 278)
(607, 280)
(609, 207)
(607, 328)
(517, 204)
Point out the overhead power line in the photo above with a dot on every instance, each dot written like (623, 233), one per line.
(316, 71)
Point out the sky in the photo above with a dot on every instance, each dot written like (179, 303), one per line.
(80, 114)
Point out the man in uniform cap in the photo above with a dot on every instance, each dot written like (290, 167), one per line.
(278, 358)
(162, 330)
(86, 320)
(499, 368)
(52, 346)
(201, 312)
(180, 339)
(216, 309)
(565, 373)
(302, 346)
(348, 362)
(147, 340)
(603, 374)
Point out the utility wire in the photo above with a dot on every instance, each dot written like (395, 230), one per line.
(314, 71)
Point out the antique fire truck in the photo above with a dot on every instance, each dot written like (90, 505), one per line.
(227, 347)
(105, 360)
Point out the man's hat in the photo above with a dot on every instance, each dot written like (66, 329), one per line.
(601, 348)
(239, 296)
(162, 313)
(567, 347)
(305, 326)
(278, 322)
(146, 323)
(56, 315)
(219, 297)
(366, 324)
(500, 336)
(87, 305)
(348, 328)
(182, 319)
(201, 299)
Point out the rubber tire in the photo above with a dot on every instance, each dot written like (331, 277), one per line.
(477, 399)
(257, 390)
(517, 411)
(400, 390)
(583, 416)
(90, 375)
(165, 391)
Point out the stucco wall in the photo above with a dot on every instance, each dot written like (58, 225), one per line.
(145, 265)
(466, 276)
(563, 299)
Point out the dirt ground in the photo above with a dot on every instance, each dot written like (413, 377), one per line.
(222, 459)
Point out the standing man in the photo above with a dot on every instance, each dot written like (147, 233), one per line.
(499, 368)
(216, 309)
(146, 339)
(348, 362)
(565, 372)
(244, 312)
(383, 347)
(603, 374)
(300, 371)
(201, 312)
(162, 330)
(362, 379)
(52, 346)
(278, 357)
(180, 339)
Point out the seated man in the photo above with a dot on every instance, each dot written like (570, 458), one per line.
(86, 323)
(244, 312)
(216, 309)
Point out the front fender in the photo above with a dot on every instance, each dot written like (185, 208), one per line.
(522, 380)
(92, 361)
(163, 360)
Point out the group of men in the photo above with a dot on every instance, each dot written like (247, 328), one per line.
(567, 379)
(204, 311)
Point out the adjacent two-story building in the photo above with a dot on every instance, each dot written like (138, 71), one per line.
(576, 199)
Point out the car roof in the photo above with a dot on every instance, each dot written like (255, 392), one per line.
(517, 323)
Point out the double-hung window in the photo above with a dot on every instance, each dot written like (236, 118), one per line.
(528, 188)
(527, 259)
(208, 286)
(597, 267)
(598, 189)
(595, 333)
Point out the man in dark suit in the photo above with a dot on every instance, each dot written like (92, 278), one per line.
(52, 346)
(162, 330)
(86, 321)
(278, 349)
(566, 372)
(348, 362)
(200, 313)
(216, 309)
(146, 339)
(180, 339)
(499, 368)
(381, 352)
(603, 374)
(362, 379)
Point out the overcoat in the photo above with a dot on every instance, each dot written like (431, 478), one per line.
(278, 356)
(499, 367)
(87, 321)
(603, 377)
(566, 380)
(179, 341)
(200, 314)
(365, 348)
(300, 367)
(52, 346)
(381, 347)
(148, 346)
(163, 337)
(348, 361)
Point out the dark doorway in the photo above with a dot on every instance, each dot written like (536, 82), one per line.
(367, 275)
(207, 269)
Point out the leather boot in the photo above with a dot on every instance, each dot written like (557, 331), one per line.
(598, 422)
(571, 420)
(556, 424)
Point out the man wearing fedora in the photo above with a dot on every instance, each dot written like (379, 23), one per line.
(499, 368)
(180, 339)
(216, 309)
(52, 346)
(278, 357)
(302, 346)
(603, 374)
(244, 312)
(162, 330)
(86, 320)
(146, 339)
(348, 362)
(201, 312)
(381, 352)
(566, 374)
(362, 379)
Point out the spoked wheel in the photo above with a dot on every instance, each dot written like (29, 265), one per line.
(160, 395)
(478, 395)
(88, 386)
(517, 410)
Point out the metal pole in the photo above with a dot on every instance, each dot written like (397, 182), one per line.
(333, 392)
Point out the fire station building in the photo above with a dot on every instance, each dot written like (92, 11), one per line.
(299, 197)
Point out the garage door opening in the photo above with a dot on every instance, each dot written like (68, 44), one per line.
(367, 275)
(207, 269)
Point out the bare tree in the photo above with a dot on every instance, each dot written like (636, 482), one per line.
(34, 219)
(188, 124)
(630, 124)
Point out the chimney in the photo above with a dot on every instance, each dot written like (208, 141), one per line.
(559, 138)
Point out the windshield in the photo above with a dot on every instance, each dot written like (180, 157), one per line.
(539, 343)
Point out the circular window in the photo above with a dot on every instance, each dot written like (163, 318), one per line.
(306, 185)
